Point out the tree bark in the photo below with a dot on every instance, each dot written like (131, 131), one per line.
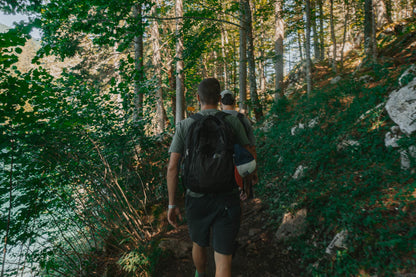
(321, 31)
(333, 38)
(258, 111)
(180, 98)
(138, 57)
(10, 208)
(279, 49)
(368, 30)
(347, 14)
(307, 48)
(157, 62)
(300, 45)
(224, 59)
(315, 32)
(242, 68)
(172, 89)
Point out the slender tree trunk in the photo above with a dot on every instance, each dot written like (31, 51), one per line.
(138, 57)
(368, 30)
(157, 62)
(215, 67)
(10, 208)
(235, 69)
(315, 32)
(347, 14)
(333, 38)
(374, 35)
(321, 31)
(243, 60)
(180, 98)
(307, 48)
(262, 63)
(258, 111)
(278, 45)
(224, 59)
(172, 89)
(300, 40)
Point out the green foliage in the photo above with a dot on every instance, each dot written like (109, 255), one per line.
(352, 182)
(133, 261)
(77, 173)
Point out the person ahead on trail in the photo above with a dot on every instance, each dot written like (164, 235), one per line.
(228, 105)
(205, 142)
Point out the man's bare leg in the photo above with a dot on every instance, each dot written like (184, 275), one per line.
(222, 265)
(199, 255)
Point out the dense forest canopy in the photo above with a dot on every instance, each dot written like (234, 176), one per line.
(85, 125)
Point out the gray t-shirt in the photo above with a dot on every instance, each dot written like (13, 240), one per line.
(247, 126)
(178, 141)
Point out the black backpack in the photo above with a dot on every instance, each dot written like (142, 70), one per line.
(208, 165)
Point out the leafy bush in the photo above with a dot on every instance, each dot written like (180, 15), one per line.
(351, 182)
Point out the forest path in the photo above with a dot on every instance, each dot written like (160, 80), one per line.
(258, 253)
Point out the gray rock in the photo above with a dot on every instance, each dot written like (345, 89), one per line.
(299, 172)
(347, 143)
(401, 107)
(406, 156)
(409, 74)
(335, 80)
(392, 137)
(292, 225)
(338, 242)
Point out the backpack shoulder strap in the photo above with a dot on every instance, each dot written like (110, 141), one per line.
(221, 115)
(197, 116)
(241, 118)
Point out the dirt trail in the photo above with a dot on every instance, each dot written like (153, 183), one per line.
(258, 254)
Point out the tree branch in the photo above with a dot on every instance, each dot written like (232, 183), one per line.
(194, 17)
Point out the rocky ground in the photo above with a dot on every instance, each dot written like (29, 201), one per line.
(258, 252)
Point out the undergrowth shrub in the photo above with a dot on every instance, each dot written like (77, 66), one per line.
(351, 180)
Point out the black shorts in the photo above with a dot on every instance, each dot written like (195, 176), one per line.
(217, 212)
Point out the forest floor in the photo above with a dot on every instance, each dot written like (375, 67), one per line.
(257, 254)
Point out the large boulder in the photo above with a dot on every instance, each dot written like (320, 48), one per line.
(401, 107)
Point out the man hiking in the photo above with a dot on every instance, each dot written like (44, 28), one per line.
(228, 106)
(212, 201)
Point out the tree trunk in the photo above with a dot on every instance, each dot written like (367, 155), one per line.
(374, 34)
(10, 207)
(300, 44)
(138, 57)
(279, 38)
(224, 59)
(347, 14)
(315, 33)
(333, 38)
(172, 89)
(180, 98)
(321, 31)
(242, 69)
(157, 61)
(258, 111)
(368, 30)
(262, 69)
(307, 48)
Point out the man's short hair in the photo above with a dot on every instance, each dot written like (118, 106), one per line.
(209, 91)
(227, 97)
